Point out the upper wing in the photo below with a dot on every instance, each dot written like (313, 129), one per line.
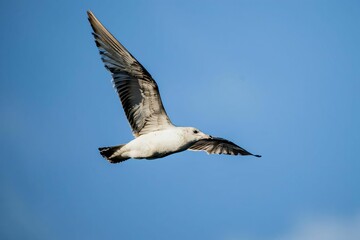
(137, 90)
(219, 146)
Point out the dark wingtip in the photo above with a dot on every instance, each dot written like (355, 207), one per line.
(91, 16)
(259, 156)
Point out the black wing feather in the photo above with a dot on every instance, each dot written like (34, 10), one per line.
(138, 91)
(219, 146)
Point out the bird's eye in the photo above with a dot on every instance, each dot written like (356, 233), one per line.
(195, 131)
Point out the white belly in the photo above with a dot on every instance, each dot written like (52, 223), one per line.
(156, 144)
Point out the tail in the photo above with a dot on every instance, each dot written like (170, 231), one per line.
(108, 154)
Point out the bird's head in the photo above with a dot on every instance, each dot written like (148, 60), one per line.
(195, 134)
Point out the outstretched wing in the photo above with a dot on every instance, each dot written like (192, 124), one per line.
(219, 146)
(138, 91)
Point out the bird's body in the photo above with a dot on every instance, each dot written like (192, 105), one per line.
(158, 144)
(155, 135)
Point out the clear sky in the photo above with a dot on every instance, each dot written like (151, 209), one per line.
(280, 78)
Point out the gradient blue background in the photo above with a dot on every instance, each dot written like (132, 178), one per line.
(280, 78)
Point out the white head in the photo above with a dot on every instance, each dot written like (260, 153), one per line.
(194, 135)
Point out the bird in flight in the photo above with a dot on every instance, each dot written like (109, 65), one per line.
(155, 135)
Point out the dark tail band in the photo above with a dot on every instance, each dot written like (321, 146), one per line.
(108, 154)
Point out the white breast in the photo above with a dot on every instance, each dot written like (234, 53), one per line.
(157, 144)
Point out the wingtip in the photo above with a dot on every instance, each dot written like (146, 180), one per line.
(259, 156)
(90, 15)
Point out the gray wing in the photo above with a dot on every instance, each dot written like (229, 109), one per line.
(219, 146)
(138, 91)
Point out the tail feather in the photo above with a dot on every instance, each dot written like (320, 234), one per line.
(108, 154)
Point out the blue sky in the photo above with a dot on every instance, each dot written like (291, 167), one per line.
(280, 78)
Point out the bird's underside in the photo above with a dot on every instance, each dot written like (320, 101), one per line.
(155, 135)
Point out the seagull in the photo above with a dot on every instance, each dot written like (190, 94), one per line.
(155, 135)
